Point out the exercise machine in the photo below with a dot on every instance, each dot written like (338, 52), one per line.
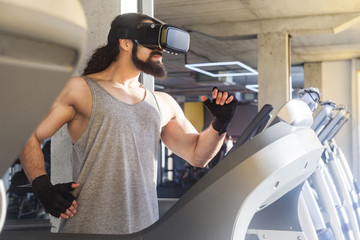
(261, 176)
(41, 45)
(253, 179)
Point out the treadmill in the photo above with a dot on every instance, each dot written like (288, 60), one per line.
(252, 180)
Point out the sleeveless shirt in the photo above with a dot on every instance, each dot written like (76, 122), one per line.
(115, 161)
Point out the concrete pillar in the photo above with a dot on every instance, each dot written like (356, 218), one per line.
(313, 75)
(147, 7)
(274, 69)
(99, 15)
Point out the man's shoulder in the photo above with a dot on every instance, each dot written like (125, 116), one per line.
(162, 96)
(77, 81)
(76, 89)
(165, 99)
(77, 94)
(168, 104)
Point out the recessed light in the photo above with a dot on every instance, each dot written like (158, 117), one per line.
(199, 67)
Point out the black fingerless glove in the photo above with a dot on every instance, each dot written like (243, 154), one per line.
(223, 114)
(55, 198)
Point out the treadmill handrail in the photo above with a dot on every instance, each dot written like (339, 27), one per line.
(256, 125)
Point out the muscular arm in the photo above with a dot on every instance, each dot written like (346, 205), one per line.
(61, 112)
(57, 200)
(196, 148)
(183, 139)
(32, 159)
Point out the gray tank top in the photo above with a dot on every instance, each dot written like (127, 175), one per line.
(115, 161)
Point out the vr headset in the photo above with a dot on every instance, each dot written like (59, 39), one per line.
(156, 35)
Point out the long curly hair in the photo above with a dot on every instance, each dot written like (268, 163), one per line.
(105, 55)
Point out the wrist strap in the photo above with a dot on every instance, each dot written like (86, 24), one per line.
(220, 126)
(41, 184)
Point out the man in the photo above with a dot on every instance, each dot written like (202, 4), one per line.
(115, 124)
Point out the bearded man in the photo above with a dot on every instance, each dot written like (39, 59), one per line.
(115, 124)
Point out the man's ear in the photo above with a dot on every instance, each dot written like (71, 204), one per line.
(125, 44)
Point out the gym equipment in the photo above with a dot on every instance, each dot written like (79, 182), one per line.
(261, 177)
(35, 54)
(332, 183)
(37, 57)
(2, 204)
(256, 126)
(310, 216)
(251, 179)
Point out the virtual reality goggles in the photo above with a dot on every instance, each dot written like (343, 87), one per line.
(156, 35)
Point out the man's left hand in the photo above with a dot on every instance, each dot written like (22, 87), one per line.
(223, 108)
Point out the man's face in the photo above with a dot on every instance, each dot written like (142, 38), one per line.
(149, 61)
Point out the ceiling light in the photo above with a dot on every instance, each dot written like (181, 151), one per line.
(225, 71)
(255, 87)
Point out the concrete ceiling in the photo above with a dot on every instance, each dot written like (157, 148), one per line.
(226, 30)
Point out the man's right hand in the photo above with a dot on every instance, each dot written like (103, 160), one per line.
(56, 199)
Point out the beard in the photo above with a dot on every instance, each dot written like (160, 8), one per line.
(156, 69)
